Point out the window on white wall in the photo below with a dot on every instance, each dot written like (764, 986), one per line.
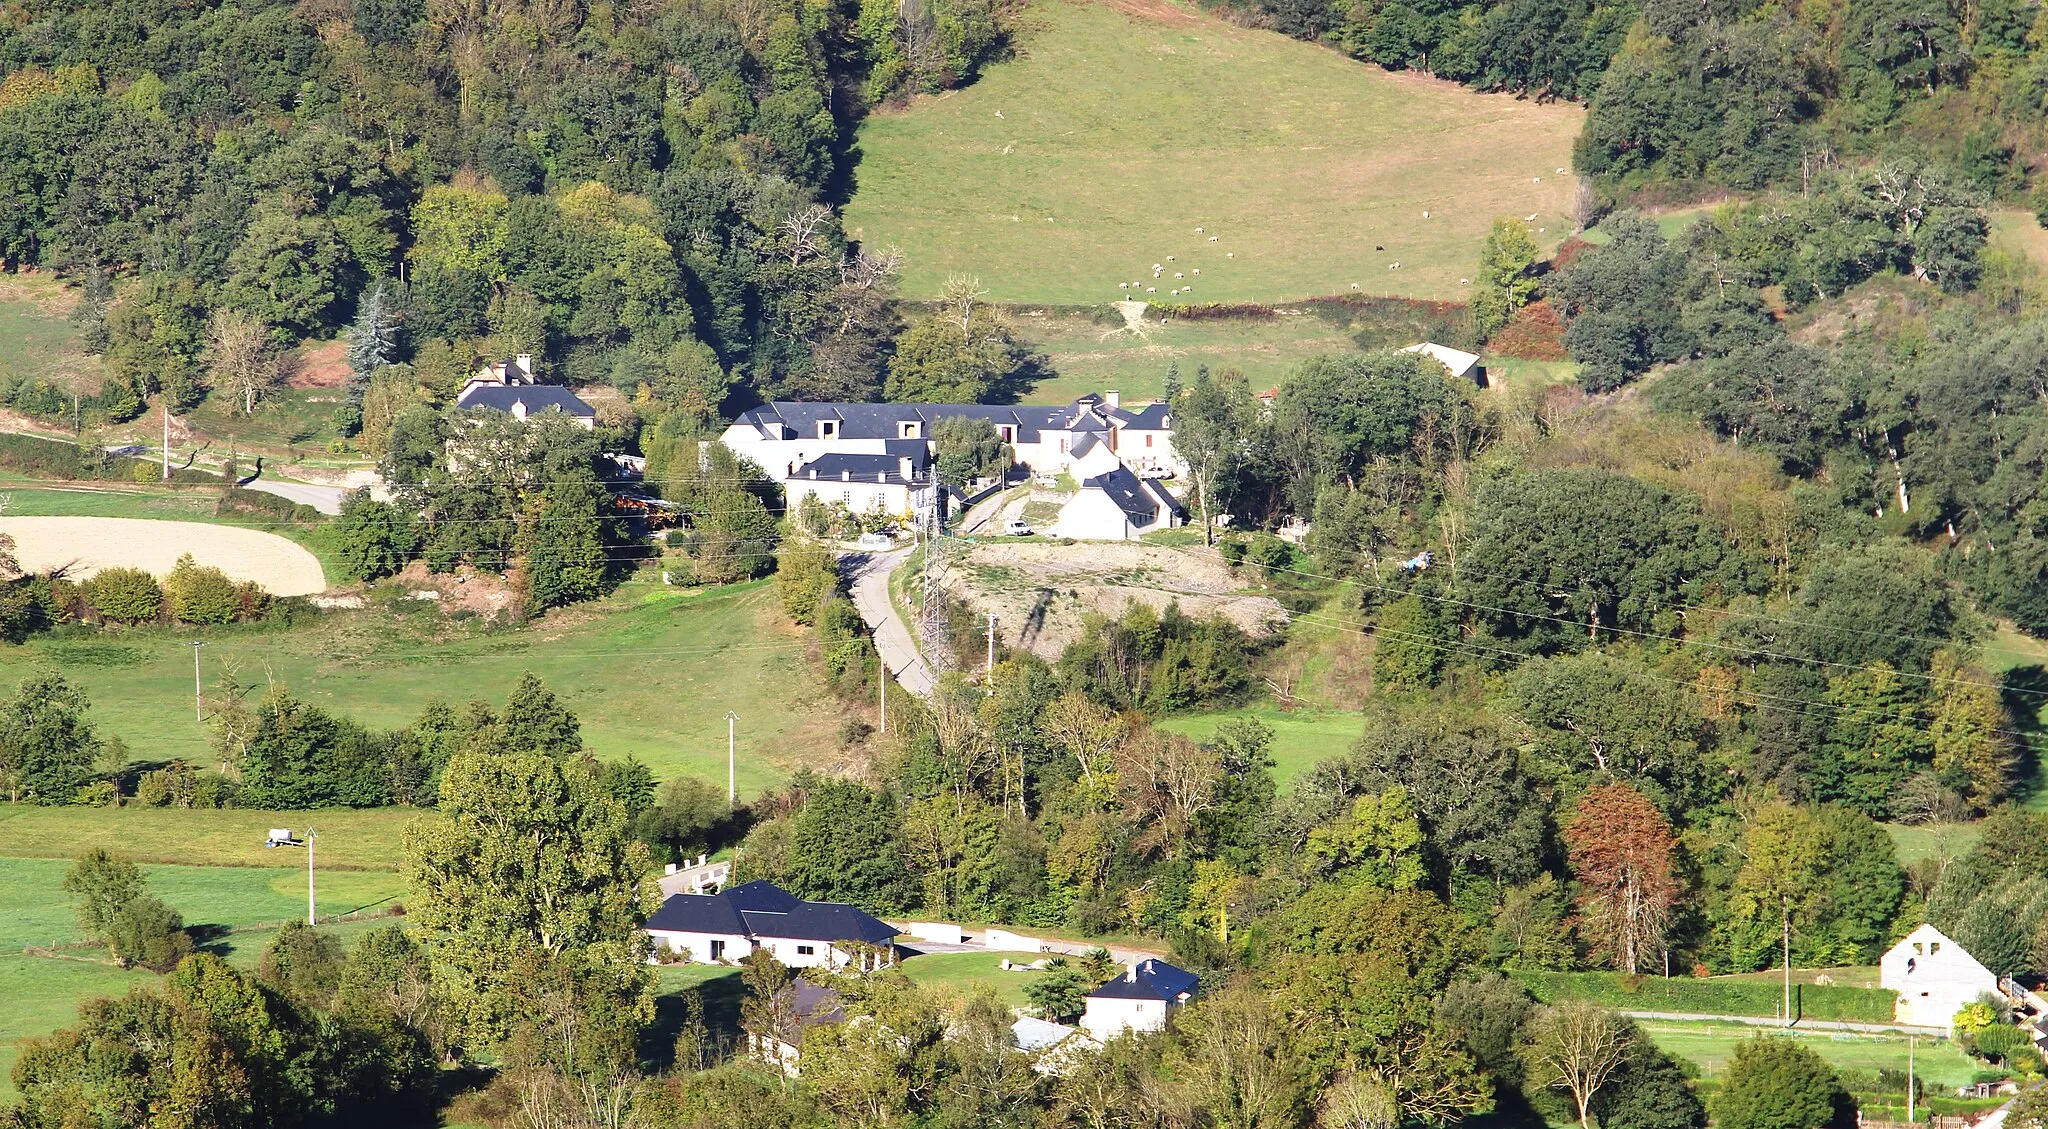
(806, 950)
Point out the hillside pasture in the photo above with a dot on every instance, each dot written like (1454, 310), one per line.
(82, 546)
(649, 671)
(1119, 130)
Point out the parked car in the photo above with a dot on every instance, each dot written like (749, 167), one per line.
(876, 541)
(1158, 472)
(1017, 527)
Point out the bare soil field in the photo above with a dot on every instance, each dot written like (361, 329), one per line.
(82, 546)
(1041, 592)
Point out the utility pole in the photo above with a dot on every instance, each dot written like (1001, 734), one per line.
(732, 791)
(1909, 1079)
(198, 695)
(166, 394)
(989, 667)
(881, 687)
(312, 906)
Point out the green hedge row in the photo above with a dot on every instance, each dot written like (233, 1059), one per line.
(1716, 996)
(53, 458)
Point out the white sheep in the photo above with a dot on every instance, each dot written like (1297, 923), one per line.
(1123, 286)
(1212, 239)
(1230, 254)
(1560, 172)
(1541, 230)
(1172, 292)
(1198, 231)
(1151, 289)
(1530, 218)
(1425, 213)
(1536, 180)
(1155, 268)
(1178, 274)
(1354, 286)
(999, 114)
(1198, 270)
(1464, 282)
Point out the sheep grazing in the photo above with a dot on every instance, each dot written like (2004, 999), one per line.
(1172, 292)
(1155, 268)
(1464, 282)
(1151, 289)
(1230, 254)
(1425, 213)
(1530, 218)
(1536, 180)
(1212, 239)
(1178, 274)
(1560, 172)
(1198, 231)
(1197, 270)
(999, 114)
(1354, 286)
(1169, 258)
(1123, 286)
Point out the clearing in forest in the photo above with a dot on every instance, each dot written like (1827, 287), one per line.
(1117, 132)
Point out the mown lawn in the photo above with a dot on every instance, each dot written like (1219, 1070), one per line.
(1300, 738)
(648, 671)
(1937, 1062)
(1720, 995)
(962, 974)
(1113, 135)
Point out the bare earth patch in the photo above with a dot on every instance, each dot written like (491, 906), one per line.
(321, 364)
(82, 546)
(1041, 592)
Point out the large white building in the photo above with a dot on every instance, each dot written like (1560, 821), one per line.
(1934, 977)
(757, 916)
(866, 455)
(1139, 1000)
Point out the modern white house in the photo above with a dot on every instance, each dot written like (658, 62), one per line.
(1460, 364)
(1139, 1000)
(786, 438)
(1117, 505)
(735, 923)
(1934, 977)
(804, 1005)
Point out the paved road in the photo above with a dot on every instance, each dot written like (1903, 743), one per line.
(1802, 1025)
(987, 516)
(869, 574)
(326, 499)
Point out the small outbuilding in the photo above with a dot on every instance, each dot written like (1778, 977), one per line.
(1139, 1000)
(1460, 364)
(1934, 977)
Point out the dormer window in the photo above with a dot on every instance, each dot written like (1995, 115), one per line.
(908, 429)
(828, 429)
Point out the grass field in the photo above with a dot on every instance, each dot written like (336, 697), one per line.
(38, 336)
(961, 974)
(1938, 1062)
(1119, 130)
(650, 673)
(233, 837)
(1720, 995)
(1300, 739)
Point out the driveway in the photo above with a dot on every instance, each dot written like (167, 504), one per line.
(868, 576)
(326, 499)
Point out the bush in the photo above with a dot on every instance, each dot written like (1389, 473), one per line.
(201, 593)
(373, 539)
(171, 787)
(48, 458)
(150, 933)
(124, 595)
(98, 794)
(255, 503)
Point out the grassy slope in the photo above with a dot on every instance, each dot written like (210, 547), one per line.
(650, 674)
(1720, 995)
(1300, 738)
(349, 840)
(40, 340)
(1120, 134)
(1937, 1061)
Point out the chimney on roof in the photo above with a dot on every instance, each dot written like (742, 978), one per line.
(1113, 398)
(903, 466)
(526, 366)
(1131, 973)
(846, 476)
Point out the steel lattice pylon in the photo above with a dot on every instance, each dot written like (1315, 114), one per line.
(931, 609)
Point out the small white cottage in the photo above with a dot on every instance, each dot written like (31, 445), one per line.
(1139, 1000)
(1934, 977)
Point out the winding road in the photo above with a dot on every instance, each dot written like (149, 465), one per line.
(868, 577)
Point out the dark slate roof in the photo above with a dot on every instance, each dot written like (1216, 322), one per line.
(1155, 980)
(1129, 492)
(763, 909)
(813, 1004)
(1166, 496)
(1083, 445)
(536, 397)
(862, 468)
(1151, 417)
(879, 421)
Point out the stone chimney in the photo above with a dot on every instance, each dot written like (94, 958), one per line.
(526, 368)
(903, 466)
(1113, 398)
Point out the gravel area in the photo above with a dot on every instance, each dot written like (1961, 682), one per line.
(82, 546)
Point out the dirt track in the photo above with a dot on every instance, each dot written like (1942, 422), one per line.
(82, 546)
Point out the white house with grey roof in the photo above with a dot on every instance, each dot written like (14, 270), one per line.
(788, 438)
(758, 916)
(508, 386)
(1934, 977)
(1139, 1000)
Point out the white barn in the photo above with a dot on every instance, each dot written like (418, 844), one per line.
(731, 925)
(1934, 977)
(1139, 1000)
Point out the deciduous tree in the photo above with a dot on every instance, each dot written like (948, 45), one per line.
(1622, 851)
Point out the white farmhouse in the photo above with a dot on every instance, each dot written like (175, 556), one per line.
(786, 438)
(1934, 977)
(757, 916)
(1117, 505)
(1139, 1000)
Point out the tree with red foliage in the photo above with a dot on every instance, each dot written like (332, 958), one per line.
(1623, 852)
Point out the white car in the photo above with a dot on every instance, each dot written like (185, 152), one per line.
(1017, 527)
(876, 541)
(1155, 472)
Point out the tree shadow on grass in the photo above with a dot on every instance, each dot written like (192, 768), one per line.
(716, 1003)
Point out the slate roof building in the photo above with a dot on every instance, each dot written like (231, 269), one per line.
(788, 438)
(523, 401)
(1116, 505)
(1139, 1000)
(758, 916)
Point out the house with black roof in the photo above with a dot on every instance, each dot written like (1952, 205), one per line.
(759, 916)
(524, 401)
(786, 438)
(1113, 504)
(1139, 1000)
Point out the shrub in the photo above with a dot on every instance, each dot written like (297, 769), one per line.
(46, 457)
(201, 593)
(373, 539)
(171, 786)
(256, 503)
(98, 794)
(124, 595)
(150, 933)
